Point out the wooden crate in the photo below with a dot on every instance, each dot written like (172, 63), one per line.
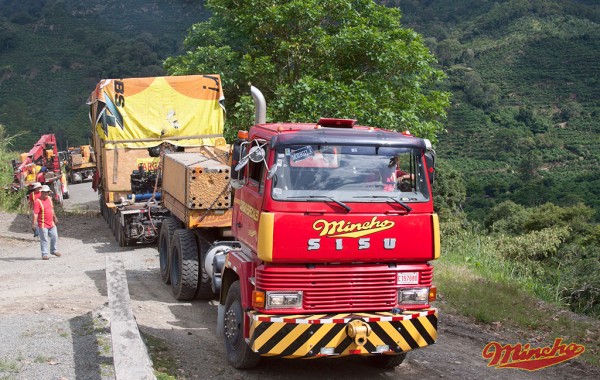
(197, 181)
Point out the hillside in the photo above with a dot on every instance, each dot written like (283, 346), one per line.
(526, 97)
(524, 76)
(53, 52)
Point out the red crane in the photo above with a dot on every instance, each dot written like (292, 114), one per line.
(43, 154)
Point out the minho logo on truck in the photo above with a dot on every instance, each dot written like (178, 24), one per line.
(342, 228)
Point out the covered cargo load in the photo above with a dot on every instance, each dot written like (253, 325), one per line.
(131, 116)
(135, 121)
(145, 112)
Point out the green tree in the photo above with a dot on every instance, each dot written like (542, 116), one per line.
(449, 189)
(318, 58)
(8, 36)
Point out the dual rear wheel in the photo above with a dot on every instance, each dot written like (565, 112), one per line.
(181, 257)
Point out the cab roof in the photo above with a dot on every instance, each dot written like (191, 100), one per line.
(284, 134)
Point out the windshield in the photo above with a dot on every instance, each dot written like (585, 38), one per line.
(350, 174)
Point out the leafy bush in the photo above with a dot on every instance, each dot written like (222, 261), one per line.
(576, 276)
(535, 245)
(9, 200)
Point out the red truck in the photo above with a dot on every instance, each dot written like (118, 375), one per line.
(329, 247)
(43, 154)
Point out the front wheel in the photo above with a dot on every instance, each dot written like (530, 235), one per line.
(239, 354)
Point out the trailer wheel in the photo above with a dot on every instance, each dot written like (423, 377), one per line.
(167, 229)
(205, 240)
(184, 265)
(386, 361)
(239, 354)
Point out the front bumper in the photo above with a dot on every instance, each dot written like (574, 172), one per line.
(306, 336)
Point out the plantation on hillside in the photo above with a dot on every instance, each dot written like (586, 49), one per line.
(53, 52)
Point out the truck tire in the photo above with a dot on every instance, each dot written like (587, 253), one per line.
(386, 361)
(205, 240)
(184, 265)
(239, 354)
(165, 236)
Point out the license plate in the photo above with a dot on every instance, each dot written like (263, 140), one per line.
(408, 278)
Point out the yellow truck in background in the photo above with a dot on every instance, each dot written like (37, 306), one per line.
(80, 163)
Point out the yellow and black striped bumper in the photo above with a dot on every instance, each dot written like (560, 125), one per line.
(304, 336)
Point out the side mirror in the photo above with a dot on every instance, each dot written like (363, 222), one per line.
(430, 161)
(257, 154)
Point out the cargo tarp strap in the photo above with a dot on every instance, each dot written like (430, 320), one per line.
(115, 165)
(211, 136)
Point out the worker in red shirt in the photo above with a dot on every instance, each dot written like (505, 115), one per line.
(44, 220)
(41, 177)
(34, 193)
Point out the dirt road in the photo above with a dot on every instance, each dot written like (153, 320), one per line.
(73, 287)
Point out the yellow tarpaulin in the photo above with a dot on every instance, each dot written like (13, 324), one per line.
(145, 112)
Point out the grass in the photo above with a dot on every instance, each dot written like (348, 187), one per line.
(165, 367)
(9, 366)
(42, 359)
(475, 283)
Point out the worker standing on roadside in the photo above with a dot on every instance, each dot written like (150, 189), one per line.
(44, 220)
(34, 193)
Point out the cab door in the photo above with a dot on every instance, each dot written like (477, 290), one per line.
(248, 203)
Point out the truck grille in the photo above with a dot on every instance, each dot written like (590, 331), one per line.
(340, 288)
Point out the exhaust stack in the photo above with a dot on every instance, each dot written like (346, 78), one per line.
(260, 113)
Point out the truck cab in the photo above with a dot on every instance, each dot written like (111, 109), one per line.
(336, 231)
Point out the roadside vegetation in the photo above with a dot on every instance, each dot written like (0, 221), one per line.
(477, 280)
(9, 200)
(534, 269)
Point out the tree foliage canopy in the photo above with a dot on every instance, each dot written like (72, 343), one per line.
(318, 58)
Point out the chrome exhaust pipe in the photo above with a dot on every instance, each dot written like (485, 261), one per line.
(260, 106)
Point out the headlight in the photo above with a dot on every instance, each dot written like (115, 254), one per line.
(413, 296)
(284, 300)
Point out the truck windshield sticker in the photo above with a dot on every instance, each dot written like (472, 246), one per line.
(302, 153)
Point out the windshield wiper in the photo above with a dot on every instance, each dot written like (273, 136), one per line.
(323, 197)
(406, 207)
